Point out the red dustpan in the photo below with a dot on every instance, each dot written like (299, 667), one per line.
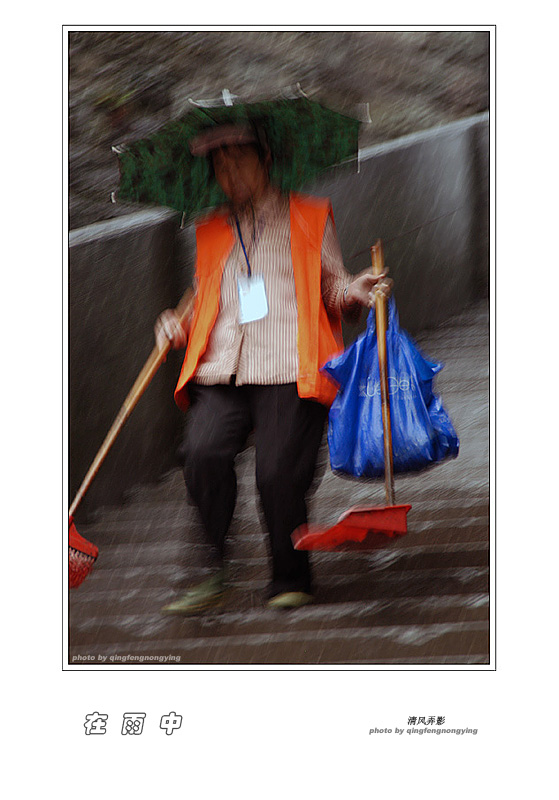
(366, 527)
(360, 528)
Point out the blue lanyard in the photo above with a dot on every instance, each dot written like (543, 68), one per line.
(243, 245)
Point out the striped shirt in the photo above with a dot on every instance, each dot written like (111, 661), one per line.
(265, 351)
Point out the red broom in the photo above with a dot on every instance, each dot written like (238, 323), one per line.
(81, 557)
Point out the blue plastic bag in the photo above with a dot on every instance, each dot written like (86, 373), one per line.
(422, 433)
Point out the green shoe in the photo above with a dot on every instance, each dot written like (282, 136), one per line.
(199, 598)
(290, 600)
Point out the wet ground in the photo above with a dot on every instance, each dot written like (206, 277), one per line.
(423, 600)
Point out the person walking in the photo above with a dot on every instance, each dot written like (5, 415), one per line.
(271, 290)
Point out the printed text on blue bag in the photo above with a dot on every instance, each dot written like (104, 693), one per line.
(372, 386)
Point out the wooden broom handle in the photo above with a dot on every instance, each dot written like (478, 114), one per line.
(156, 358)
(381, 313)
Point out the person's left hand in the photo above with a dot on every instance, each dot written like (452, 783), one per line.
(363, 289)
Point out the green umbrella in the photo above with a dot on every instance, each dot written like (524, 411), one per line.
(304, 137)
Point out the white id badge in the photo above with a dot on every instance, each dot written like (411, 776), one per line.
(253, 303)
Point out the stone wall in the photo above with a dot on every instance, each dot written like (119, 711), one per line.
(122, 273)
(403, 184)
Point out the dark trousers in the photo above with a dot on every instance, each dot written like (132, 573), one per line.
(287, 433)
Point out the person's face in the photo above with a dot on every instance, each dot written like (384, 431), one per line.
(240, 173)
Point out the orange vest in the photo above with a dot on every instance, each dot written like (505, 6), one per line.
(319, 336)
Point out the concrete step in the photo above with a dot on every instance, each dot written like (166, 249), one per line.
(185, 528)
(330, 583)
(417, 644)
(436, 607)
(246, 611)
(248, 548)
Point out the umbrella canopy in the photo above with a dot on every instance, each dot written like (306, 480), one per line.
(304, 137)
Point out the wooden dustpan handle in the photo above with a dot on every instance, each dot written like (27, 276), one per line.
(156, 358)
(381, 313)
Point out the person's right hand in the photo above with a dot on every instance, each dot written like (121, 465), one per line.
(169, 329)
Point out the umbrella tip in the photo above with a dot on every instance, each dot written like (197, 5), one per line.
(364, 112)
